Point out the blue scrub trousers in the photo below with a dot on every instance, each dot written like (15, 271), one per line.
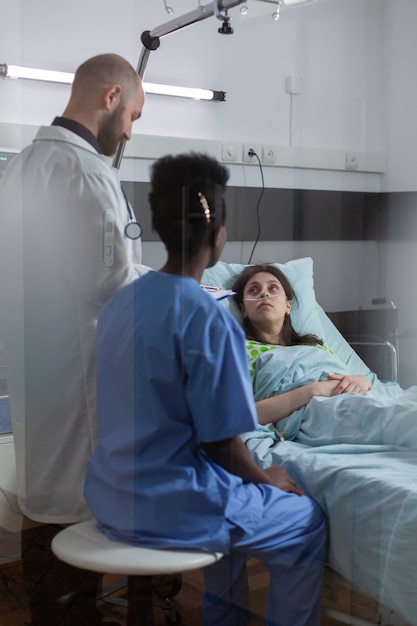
(290, 540)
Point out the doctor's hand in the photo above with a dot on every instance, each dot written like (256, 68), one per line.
(350, 384)
(279, 478)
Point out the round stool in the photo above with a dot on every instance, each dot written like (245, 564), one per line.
(83, 545)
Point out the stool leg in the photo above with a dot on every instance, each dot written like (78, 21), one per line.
(139, 598)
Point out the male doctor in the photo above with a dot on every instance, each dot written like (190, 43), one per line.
(63, 253)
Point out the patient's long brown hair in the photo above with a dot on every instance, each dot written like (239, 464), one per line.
(288, 333)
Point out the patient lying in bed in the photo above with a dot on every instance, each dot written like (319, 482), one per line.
(304, 392)
(368, 491)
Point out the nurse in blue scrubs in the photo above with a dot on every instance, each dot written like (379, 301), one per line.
(173, 395)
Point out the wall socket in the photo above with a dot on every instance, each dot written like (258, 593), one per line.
(245, 154)
(351, 161)
(231, 151)
(293, 85)
(269, 155)
(234, 152)
(272, 155)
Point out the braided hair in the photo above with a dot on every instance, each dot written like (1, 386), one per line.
(187, 200)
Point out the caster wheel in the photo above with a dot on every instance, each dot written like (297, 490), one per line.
(173, 618)
(167, 586)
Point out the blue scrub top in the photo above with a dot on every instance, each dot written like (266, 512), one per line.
(171, 373)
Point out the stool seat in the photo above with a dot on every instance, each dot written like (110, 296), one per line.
(83, 545)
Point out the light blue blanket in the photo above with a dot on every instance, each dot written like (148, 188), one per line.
(386, 415)
(353, 454)
(369, 495)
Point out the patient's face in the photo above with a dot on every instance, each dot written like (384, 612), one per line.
(265, 300)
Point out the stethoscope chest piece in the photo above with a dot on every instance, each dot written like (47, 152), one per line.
(133, 230)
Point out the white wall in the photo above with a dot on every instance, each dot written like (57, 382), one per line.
(335, 46)
(356, 60)
(399, 259)
(400, 94)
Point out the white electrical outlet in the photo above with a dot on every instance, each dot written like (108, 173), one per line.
(256, 147)
(231, 151)
(293, 85)
(269, 155)
(351, 161)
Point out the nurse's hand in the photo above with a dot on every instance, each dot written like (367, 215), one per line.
(279, 478)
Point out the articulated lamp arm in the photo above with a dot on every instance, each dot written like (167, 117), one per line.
(151, 41)
(151, 38)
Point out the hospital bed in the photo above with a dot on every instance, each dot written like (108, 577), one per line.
(368, 492)
(373, 333)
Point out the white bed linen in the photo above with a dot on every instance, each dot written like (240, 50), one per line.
(369, 494)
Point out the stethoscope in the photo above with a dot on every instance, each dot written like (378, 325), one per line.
(133, 230)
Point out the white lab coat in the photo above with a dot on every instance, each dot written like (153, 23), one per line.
(53, 282)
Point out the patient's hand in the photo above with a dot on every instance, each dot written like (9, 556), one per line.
(279, 478)
(350, 384)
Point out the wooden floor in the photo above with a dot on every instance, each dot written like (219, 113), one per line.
(336, 594)
(187, 603)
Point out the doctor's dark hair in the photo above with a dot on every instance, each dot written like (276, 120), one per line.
(187, 200)
(288, 333)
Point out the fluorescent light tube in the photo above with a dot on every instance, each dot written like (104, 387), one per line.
(182, 92)
(289, 3)
(16, 71)
(285, 2)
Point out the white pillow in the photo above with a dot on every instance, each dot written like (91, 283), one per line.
(304, 315)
